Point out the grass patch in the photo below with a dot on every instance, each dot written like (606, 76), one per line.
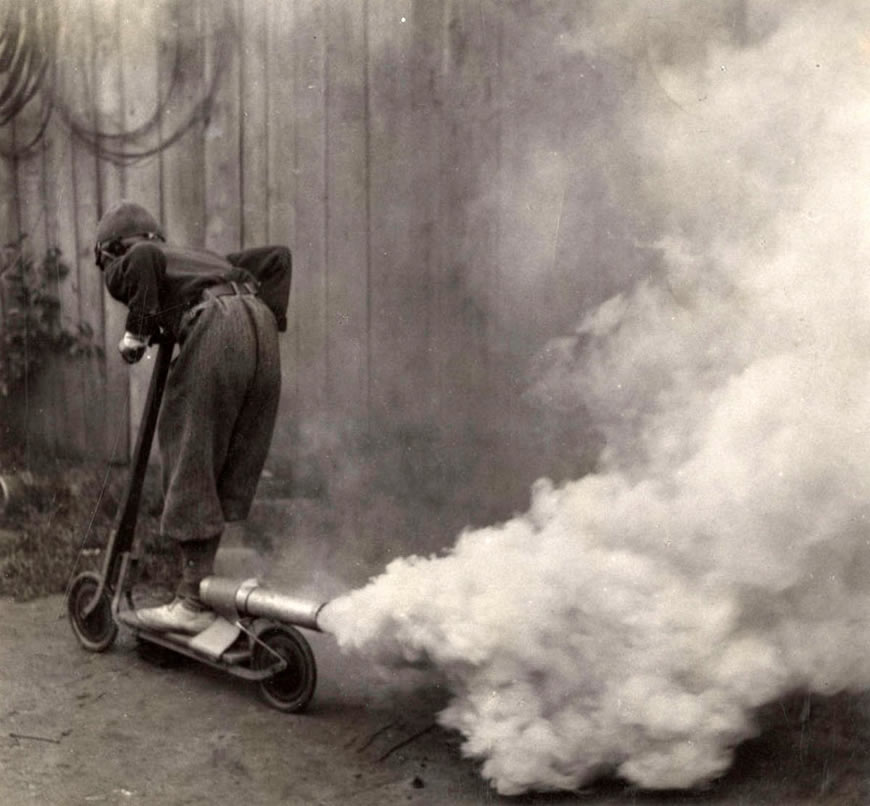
(58, 521)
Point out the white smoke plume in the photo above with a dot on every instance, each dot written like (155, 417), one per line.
(633, 620)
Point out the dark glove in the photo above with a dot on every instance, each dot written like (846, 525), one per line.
(132, 347)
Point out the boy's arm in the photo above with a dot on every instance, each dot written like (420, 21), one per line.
(135, 280)
(272, 267)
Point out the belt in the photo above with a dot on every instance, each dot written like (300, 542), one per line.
(228, 289)
(213, 292)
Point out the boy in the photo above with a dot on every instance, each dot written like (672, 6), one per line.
(221, 398)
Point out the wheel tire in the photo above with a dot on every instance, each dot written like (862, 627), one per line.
(97, 631)
(292, 688)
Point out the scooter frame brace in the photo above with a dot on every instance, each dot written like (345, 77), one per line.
(121, 537)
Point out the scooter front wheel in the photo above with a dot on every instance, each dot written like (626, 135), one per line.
(96, 631)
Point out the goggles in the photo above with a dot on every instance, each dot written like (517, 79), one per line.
(106, 251)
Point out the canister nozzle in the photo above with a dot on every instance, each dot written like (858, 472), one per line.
(249, 598)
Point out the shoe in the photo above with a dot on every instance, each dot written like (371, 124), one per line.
(177, 616)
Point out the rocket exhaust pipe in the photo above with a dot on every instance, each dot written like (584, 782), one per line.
(249, 598)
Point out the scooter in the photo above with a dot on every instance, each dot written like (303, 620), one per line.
(254, 636)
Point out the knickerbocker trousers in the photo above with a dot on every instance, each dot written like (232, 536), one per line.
(218, 415)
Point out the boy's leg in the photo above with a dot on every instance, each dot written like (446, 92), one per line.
(252, 430)
(186, 613)
(206, 390)
(197, 562)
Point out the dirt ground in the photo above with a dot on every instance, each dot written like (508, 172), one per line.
(82, 728)
(124, 728)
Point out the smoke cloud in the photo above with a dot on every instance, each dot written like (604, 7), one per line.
(633, 620)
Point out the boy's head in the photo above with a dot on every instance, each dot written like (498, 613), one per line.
(120, 227)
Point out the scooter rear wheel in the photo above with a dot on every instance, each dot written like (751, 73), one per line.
(97, 630)
(292, 688)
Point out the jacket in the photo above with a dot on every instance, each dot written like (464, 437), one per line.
(159, 282)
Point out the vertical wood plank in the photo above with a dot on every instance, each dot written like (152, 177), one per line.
(7, 201)
(467, 282)
(311, 208)
(483, 399)
(222, 167)
(140, 46)
(7, 225)
(393, 270)
(110, 94)
(254, 129)
(52, 374)
(448, 336)
(38, 421)
(10, 431)
(29, 187)
(427, 190)
(78, 87)
(347, 221)
(281, 122)
(16, 428)
(69, 408)
(281, 191)
(182, 43)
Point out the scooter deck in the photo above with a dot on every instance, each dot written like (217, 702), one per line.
(217, 646)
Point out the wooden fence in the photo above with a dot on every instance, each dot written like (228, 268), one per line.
(422, 158)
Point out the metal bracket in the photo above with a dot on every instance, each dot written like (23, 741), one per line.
(215, 639)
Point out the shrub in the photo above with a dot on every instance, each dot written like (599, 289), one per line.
(31, 327)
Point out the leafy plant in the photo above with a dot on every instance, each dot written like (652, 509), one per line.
(30, 326)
